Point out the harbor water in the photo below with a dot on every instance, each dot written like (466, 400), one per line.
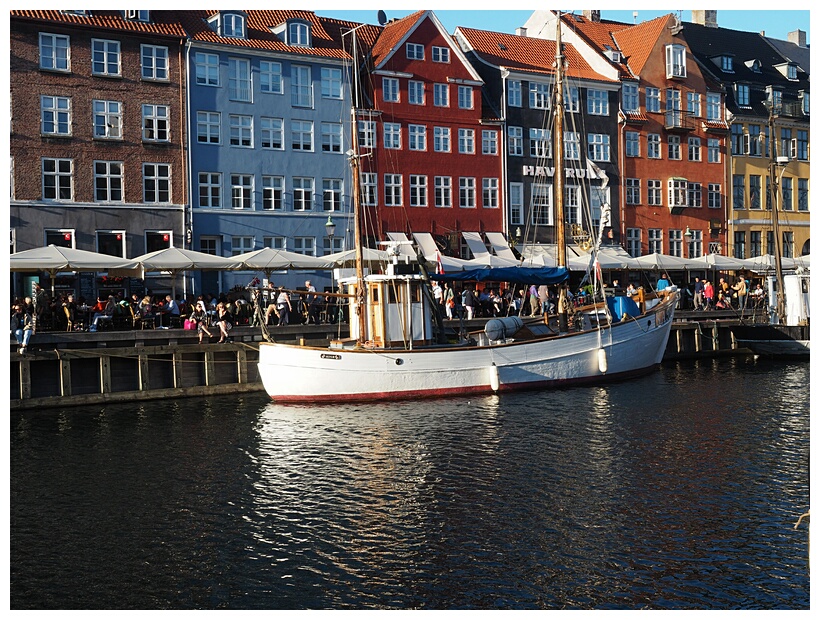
(679, 490)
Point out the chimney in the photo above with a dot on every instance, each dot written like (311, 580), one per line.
(593, 16)
(798, 37)
(521, 31)
(705, 18)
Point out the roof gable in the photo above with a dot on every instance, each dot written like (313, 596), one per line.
(637, 42)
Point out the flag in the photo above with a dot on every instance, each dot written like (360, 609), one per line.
(598, 275)
(439, 266)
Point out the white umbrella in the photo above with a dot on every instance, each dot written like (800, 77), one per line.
(268, 259)
(765, 263)
(661, 262)
(348, 258)
(178, 259)
(718, 262)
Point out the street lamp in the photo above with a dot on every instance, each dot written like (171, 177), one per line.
(330, 227)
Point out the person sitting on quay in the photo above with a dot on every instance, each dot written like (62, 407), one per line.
(199, 315)
(106, 315)
(224, 321)
(21, 327)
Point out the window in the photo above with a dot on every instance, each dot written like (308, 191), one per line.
(331, 83)
(737, 139)
(713, 150)
(302, 193)
(441, 139)
(417, 137)
(633, 191)
(155, 123)
(367, 134)
(466, 141)
(597, 102)
(572, 145)
(726, 64)
(331, 137)
(465, 97)
(54, 52)
(392, 136)
(804, 100)
(242, 245)
(742, 94)
(693, 103)
(270, 77)
(539, 96)
(516, 200)
(444, 192)
(418, 190)
(299, 34)
(755, 141)
(105, 57)
(390, 90)
(714, 111)
(233, 25)
(541, 204)
(415, 92)
(791, 72)
(653, 99)
(675, 61)
(392, 190)
(694, 148)
(369, 189)
(55, 116)
(111, 242)
(514, 94)
(515, 140)
(158, 240)
(241, 130)
(441, 95)
(655, 240)
(654, 192)
(676, 243)
(755, 189)
(466, 192)
(489, 142)
(332, 194)
(156, 183)
(740, 244)
(301, 135)
(786, 143)
(755, 244)
(677, 193)
(653, 146)
(332, 245)
(441, 54)
(207, 69)
(738, 191)
(540, 143)
(786, 185)
(415, 51)
(272, 133)
(273, 193)
(674, 147)
(694, 195)
(304, 245)
(630, 97)
(572, 204)
(802, 145)
(61, 237)
(489, 188)
(633, 144)
(776, 98)
(713, 196)
(598, 146)
(301, 87)
(802, 194)
(108, 181)
(572, 101)
(633, 242)
(154, 62)
(210, 190)
(208, 127)
(239, 79)
(242, 191)
(696, 244)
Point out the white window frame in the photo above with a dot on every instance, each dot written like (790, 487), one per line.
(653, 146)
(465, 97)
(391, 135)
(632, 144)
(242, 244)
(303, 189)
(694, 149)
(653, 99)
(415, 92)
(516, 204)
(677, 194)
(272, 133)
(393, 190)
(208, 127)
(597, 102)
(713, 150)
(632, 189)
(654, 192)
(598, 147)
(55, 52)
(209, 190)
(440, 54)
(301, 136)
(514, 96)
(541, 204)
(332, 195)
(633, 242)
(367, 134)
(441, 95)
(489, 142)
(273, 192)
(270, 77)
(331, 137)
(694, 195)
(156, 120)
(630, 100)
(55, 115)
(417, 137)
(242, 191)
(466, 141)
(108, 178)
(714, 196)
(305, 245)
(240, 130)
(414, 51)
(418, 190)
(655, 240)
(443, 192)
(675, 61)
(206, 69)
(466, 193)
(515, 141)
(489, 193)
(370, 189)
(390, 90)
(301, 86)
(441, 139)
(154, 63)
(331, 83)
(539, 96)
(540, 143)
(106, 58)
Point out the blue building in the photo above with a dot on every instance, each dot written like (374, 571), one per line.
(269, 103)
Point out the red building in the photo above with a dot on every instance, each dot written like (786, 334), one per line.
(435, 165)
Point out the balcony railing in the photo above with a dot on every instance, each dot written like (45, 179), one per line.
(678, 120)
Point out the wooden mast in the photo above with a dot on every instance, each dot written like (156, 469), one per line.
(774, 203)
(558, 193)
(355, 179)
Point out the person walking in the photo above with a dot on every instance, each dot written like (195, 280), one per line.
(698, 294)
(709, 294)
(283, 307)
(469, 301)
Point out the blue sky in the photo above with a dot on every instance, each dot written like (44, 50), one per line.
(777, 24)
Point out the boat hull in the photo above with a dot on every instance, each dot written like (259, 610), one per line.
(293, 373)
(774, 340)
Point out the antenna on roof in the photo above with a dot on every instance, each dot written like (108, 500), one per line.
(382, 17)
(634, 17)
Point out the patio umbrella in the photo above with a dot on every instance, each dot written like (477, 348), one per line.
(268, 260)
(55, 259)
(766, 263)
(348, 258)
(176, 260)
(661, 262)
(718, 262)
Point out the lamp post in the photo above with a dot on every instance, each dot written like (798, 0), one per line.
(330, 228)
(688, 236)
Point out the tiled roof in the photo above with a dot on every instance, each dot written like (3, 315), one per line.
(392, 34)
(636, 117)
(326, 33)
(599, 34)
(163, 23)
(526, 53)
(636, 42)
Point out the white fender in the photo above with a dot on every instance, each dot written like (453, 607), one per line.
(602, 364)
(494, 382)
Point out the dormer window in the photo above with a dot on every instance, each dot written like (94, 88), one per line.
(791, 72)
(753, 65)
(726, 64)
(233, 25)
(788, 70)
(804, 100)
(675, 61)
(140, 16)
(613, 54)
(299, 34)
(742, 94)
(775, 97)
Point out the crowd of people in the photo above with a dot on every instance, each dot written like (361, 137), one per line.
(724, 295)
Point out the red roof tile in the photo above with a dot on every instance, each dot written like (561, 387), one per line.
(637, 42)
(163, 23)
(392, 34)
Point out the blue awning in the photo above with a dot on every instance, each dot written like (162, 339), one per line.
(520, 275)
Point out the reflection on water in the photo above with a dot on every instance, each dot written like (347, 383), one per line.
(675, 491)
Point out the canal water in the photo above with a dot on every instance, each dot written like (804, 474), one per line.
(679, 490)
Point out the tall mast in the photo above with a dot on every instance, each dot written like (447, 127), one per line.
(357, 207)
(558, 154)
(774, 202)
